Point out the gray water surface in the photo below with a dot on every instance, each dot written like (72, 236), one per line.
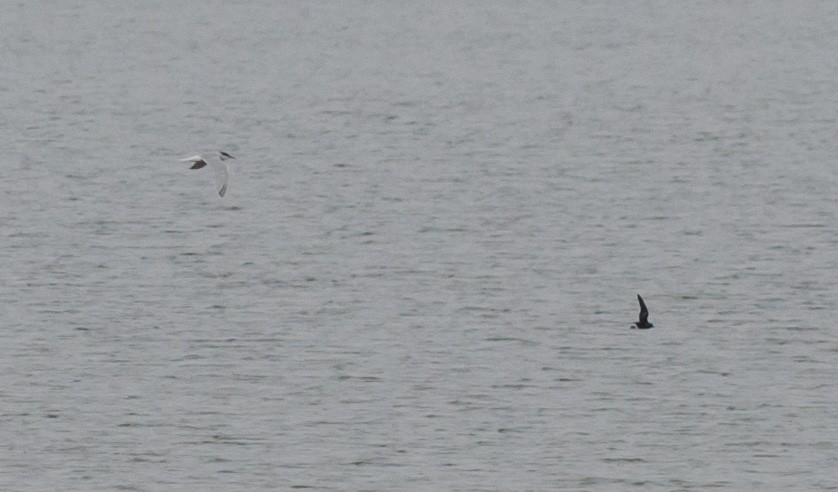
(424, 271)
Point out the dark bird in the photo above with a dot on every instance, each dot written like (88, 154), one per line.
(643, 322)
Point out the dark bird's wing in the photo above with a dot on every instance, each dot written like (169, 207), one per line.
(644, 313)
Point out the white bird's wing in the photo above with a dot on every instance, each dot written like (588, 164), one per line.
(220, 177)
(197, 161)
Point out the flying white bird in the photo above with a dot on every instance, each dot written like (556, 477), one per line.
(218, 165)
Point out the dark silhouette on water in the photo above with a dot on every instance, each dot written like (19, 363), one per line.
(643, 322)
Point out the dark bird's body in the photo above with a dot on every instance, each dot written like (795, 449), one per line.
(643, 321)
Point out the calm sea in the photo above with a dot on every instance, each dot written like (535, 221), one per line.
(424, 271)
